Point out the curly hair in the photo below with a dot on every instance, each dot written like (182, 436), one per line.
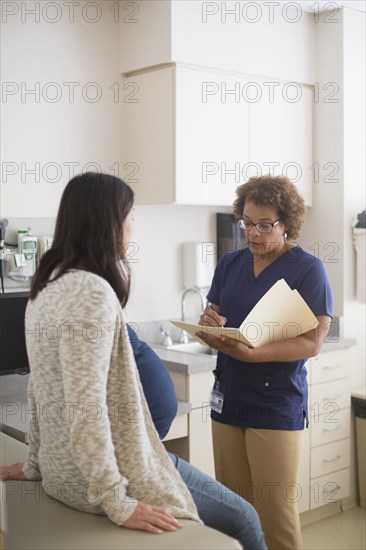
(278, 193)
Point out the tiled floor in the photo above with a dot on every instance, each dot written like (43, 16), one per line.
(343, 531)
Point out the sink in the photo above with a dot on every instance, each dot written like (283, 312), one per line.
(192, 347)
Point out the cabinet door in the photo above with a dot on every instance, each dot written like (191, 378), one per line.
(150, 135)
(200, 443)
(211, 133)
(281, 133)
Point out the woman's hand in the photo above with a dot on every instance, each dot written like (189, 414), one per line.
(230, 346)
(153, 519)
(211, 317)
(15, 471)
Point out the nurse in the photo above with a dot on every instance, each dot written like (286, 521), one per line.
(258, 427)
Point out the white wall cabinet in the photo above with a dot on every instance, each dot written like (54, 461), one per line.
(195, 135)
(211, 136)
(187, 141)
(150, 136)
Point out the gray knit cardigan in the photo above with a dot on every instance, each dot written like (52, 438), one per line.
(92, 440)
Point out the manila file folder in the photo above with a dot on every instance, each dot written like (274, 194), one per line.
(280, 314)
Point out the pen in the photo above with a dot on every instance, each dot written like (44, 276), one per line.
(209, 305)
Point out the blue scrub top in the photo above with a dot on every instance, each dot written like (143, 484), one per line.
(265, 395)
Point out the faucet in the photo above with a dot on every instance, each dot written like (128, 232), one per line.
(183, 338)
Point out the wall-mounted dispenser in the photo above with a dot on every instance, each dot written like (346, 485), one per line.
(199, 260)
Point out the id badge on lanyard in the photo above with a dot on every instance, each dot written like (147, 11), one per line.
(216, 397)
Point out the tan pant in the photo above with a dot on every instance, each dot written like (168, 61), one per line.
(262, 466)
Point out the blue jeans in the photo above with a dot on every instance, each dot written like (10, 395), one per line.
(220, 508)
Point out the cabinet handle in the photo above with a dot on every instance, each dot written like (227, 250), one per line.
(333, 430)
(335, 398)
(331, 490)
(337, 457)
(332, 367)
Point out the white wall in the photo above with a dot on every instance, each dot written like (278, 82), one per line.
(354, 178)
(146, 37)
(156, 258)
(39, 133)
(249, 37)
(323, 234)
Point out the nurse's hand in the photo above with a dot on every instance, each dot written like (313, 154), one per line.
(230, 346)
(211, 317)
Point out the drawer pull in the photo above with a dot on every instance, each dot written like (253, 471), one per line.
(337, 457)
(333, 430)
(335, 398)
(331, 490)
(332, 367)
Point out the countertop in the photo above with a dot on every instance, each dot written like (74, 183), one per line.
(193, 363)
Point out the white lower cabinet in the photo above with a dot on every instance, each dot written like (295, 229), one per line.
(325, 467)
(327, 451)
(197, 447)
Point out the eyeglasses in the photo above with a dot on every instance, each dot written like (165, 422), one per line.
(262, 227)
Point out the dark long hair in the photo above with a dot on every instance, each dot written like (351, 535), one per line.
(89, 233)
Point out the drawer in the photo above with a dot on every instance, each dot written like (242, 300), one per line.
(179, 428)
(330, 488)
(327, 366)
(329, 458)
(330, 427)
(329, 398)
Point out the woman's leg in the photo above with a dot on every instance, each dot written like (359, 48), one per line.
(220, 508)
(263, 466)
(274, 458)
(231, 461)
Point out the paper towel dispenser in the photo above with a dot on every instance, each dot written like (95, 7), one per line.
(198, 263)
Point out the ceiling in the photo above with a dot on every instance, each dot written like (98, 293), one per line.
(328, 5)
